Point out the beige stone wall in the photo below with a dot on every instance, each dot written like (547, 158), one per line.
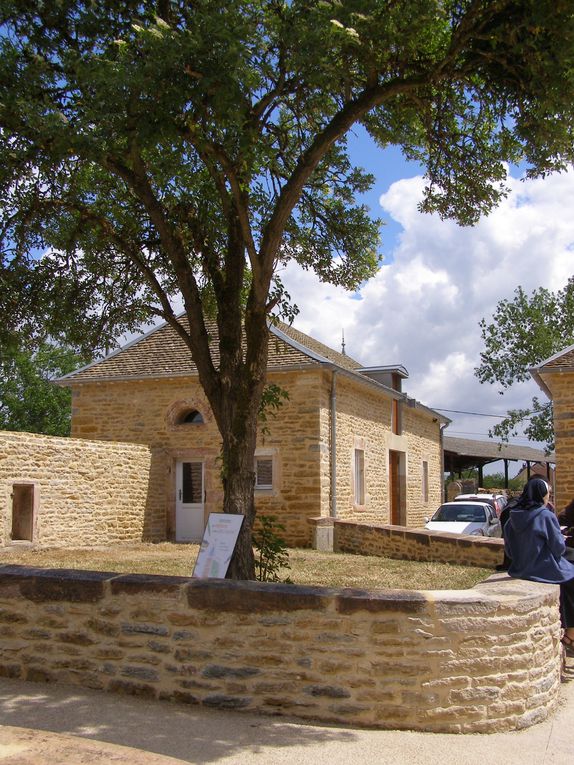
(422, 432)
(364, 422)
(480, 660)
(298, 440)
(295, 439)
(146, 412)
(562, 387)
(83, 492)
(409, 544)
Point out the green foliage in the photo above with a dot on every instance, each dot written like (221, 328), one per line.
(536, 422)
(524, 331)
(490, 481)
(148, 145)
(29, 400)
(496, 481)
(273, 398)
(272, 553)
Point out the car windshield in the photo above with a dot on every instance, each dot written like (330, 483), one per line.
(488, 500)
(460, 513)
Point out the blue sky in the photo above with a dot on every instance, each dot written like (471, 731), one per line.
(387, 166)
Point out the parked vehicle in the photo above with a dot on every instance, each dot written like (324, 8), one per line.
(498, 501)
(466, 517)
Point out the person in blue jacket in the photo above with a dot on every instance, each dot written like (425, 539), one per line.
(535, 545)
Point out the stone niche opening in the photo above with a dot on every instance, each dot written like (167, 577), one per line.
(23, 512)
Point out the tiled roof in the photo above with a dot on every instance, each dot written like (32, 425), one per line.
(563, 359)
(493, 450)
(341, 360)
(163, 353)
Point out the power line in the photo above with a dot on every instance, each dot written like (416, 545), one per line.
(482, 414)
(476, 414)
(470, 433)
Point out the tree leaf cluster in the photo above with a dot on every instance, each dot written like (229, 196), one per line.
(523, 332)
(29, 400)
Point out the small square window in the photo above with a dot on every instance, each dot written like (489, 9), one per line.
(263, 472)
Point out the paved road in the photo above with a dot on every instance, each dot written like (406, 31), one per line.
(57, 725)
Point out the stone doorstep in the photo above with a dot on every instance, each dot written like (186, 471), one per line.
(19, 543)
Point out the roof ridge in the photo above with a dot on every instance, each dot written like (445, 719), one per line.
(313, 347)
(554, 357)
(275, 330)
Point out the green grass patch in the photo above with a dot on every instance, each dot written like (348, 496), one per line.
(308, 567)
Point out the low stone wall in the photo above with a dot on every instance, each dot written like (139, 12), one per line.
(69, 491)
(480, 660)
(416, 544)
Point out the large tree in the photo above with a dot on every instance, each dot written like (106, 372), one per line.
(523, 332)
(155, 151)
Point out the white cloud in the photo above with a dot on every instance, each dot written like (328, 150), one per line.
(422, 309)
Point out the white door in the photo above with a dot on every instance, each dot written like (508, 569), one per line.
(189, 502)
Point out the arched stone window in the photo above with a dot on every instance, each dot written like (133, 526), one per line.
(186, 413)
(191, 416)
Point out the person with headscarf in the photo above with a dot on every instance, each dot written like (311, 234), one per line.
(535, 546)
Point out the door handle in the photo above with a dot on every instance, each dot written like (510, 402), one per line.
(180, 495)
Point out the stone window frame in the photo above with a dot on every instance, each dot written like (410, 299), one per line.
(359, 482)
(185, 418)
(396, 417)
(425, 481)
(13, 488)
(359, 477)
(181, 409)
(267, 455)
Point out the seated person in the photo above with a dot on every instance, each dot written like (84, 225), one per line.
(535, 546)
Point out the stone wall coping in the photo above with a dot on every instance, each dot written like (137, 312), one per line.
(71, 441)
(422, 534)
(323, 520)
(225, 595)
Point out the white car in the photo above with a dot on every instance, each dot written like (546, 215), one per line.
(498, 501)
(474, 518)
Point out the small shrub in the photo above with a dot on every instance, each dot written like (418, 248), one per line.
(272, 554)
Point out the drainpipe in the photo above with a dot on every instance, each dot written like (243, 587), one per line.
(334, 444)
(441, 442)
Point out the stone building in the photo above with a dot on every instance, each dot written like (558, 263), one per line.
(555, 376)
(347, 442)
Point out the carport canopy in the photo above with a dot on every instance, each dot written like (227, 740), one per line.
(464, 454)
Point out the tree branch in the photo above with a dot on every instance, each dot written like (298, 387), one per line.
(352, 112)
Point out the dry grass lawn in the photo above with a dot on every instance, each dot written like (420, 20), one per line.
(308, 567)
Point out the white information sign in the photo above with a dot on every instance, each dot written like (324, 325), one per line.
(217, 547)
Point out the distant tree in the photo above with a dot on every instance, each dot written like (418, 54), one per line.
(154, 152)
(29, 400)
(523, 332)
(496, 481)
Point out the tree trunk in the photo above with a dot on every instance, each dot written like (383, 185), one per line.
(234, 388)
(238, 477)
(242, 393)
(238, 498)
